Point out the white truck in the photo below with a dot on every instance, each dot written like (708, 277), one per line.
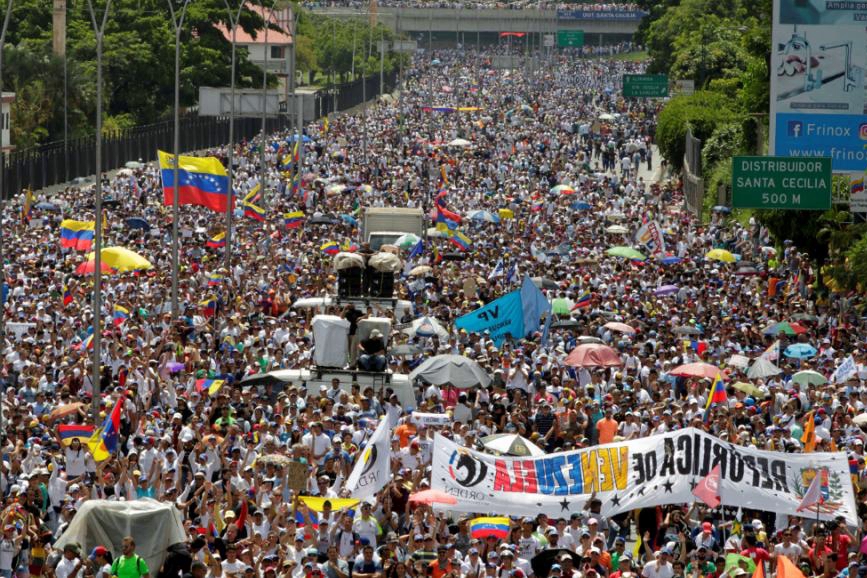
(383, 225)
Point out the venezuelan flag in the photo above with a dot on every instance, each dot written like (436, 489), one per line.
(349, 246)
(69, 432)
(717, 394)
(294, 219)
(215, 279)
(209, 306)
(317, 504)
(583, 301)
(77, 235)
(27, 206)
(856, 186)
(87, 344)
(325, 125)
(481, 528)
(460, 240)
(103, 442)
(212, 385)
(203, 181)
(67, 295)
(217, 241)
(254, 212)
(330, 248)
(121, 314)
(255, 193)
(301, 521)
(443, 222)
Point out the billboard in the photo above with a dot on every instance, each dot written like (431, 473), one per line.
(817, 81)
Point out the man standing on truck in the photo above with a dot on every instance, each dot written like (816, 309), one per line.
(372, 357)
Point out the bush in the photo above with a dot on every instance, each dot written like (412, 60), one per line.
(703, 112)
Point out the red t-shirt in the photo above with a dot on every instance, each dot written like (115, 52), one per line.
(815, 555)
(841, 544)
(756, 554)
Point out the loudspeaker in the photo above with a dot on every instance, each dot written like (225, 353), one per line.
(350, 282)
(380, 284)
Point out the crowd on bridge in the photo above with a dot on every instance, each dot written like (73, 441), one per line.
(479, 5)
(565, 173)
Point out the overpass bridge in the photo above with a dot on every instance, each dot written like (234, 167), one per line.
(444, 27)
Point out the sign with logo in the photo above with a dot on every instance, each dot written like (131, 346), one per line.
(645, 85)
(372, 469)
(781, 183)
(817, 82)
(570, 38)
(647, 472)
(631, 15)
(857, 194)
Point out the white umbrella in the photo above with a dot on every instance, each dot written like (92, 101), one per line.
(426, 327)
(617, 230)
(809, 377)
(606, 116)
(462, 372)
(763, 368)
(860, 419)
(513, 445)
(460, 142)
(434, 232)
(739, 361)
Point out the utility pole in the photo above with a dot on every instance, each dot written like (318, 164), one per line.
(2, 195)
(263, 172)
(177, 23)
(99, 30)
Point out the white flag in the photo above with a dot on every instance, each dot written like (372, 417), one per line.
(373, 468)
(814, 493)
(650, 235)
(772, 353)
(846, 370)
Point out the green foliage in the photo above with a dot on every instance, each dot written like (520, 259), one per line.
(855, 272)
(703, 112)
(801, 227)
(725, 142)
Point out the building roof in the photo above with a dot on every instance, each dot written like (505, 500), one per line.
(276, 35)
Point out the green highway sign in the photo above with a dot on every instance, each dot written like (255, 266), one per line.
(781, 183)
(570, 38)
(645, 85)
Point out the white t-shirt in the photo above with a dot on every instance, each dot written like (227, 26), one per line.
(792, 551)
(655, 570)
(65, 567)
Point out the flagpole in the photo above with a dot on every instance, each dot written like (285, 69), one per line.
(234, 18)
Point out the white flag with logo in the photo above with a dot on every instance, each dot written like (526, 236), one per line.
(846, 370)
(650, 235)
(373, 468)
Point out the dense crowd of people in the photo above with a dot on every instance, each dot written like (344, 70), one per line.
(221, 455)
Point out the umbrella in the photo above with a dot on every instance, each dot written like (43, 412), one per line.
(436, 233)
(407, 241)
(65, 410)
(324, 220)
(749, 389)
(175, 366)
(593, 355)
(698, 369)
(430, 497)
(666, 290)
(581, 206)
(860, 419)
(276, 459)
(606, 116)
(264, 379)
(685, 330)
(545, 283)
(804, 317)
(133, 165)
(426, 327)
(784, 327)
(800, 351)
(46, 206)
(721, 255)
(565, 324)
(763, 368)
(123, 259)
(588, 339)
(809, 377)
(563, 190)
(721, 209)
(137, 223)
(294, 137)
(542, 562)
(483, 216)
(349, 219)
(420, 270)
(88, 267)
(562, 306)
(405, 350)
(617, 230)
(739, 361)
(512, 445)
(670, 260)
(626, 253)
(621, 327)
(460, 371)
(460, 142)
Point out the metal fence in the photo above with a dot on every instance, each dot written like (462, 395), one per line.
(55, 163)
(693, 184)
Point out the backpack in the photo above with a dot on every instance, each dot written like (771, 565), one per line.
(114, 565)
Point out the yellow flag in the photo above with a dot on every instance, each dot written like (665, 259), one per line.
(636, 551)
(97, 446)
(317, 504)
(808, 438)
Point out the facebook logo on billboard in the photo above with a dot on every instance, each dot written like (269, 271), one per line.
(796, 128)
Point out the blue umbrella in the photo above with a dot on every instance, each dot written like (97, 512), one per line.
(294, 137)
(46, 206)
(670, 260)
(349, 219)
(721, 209)
(800, 351)
(581, 206)
(137, 223)
(484, 216)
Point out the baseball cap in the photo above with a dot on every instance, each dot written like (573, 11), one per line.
(98, 551)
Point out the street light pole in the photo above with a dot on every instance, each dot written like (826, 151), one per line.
(2, 170)
(178, 24)
(234, 18)
(99, 31)
(263, 173)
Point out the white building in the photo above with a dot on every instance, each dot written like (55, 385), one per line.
(278, 40)
(5, 120)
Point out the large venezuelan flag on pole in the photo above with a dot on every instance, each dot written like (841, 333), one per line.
(203, 181)
(77, 235)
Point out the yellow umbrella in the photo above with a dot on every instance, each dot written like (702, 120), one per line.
(721, 255)
(506, 214)
(123, 259)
